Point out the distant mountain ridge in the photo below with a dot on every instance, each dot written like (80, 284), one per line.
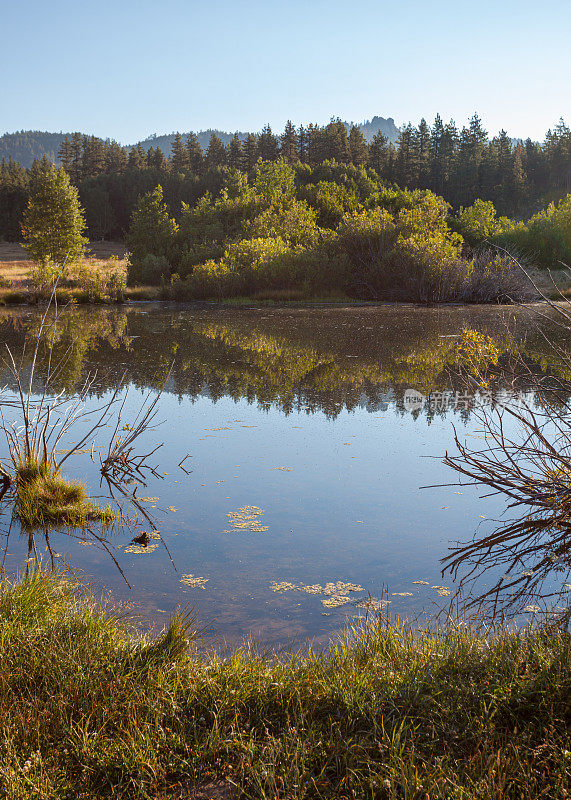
(25, 146)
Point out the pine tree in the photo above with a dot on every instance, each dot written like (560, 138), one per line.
(288, 142)
(137, 157)
(179, 155)
(405, 163)
(65, 154)
(517, 183)
(357, 147)
(378, 154)
(438, 164)
(115, 158)
(335, 145)
(302, 144)
(423, 154)
(473, 141)
(195, 155)
(93, 160)
(313, 146)
(156, 159)
(250, 153)
(268, 145)
(76, 155)
(216, 154)
(235, 154)
(54, 222)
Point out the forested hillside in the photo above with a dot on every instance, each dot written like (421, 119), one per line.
(25, 146)
(459, 165)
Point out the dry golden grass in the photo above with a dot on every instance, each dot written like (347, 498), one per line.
(15, 264)
(104, 257)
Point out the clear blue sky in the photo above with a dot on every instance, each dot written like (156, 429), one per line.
(128, 68)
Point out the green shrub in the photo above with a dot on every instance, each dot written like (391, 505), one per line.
(116, 285)
(331, 202)
(152, 232)
(293, 222)
(43, 275)
(412, 254)
(546, 238)
(153, 269)
(479, 223)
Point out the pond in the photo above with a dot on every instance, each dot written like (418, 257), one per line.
(307, 451)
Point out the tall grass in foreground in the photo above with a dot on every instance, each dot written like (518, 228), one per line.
(89, 710)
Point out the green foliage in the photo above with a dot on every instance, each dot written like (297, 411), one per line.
(294, 222)
(546, 238)
(43, 275)
(479, 223)
(274, 181)
(152, 232)
(90, 710)
(331, 200)
(99, 285)
(53, 223)
(154, 269)
(413, 253)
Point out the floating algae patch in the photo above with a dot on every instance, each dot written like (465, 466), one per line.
(442, 591)
(402, 594)
(336, 600)
(194, 581)
(373, 604)
(246, 518)
(422, 583)
(219, 429)
(283, 586)
(337, 593)
(340, 587)
(139, 549)
(314, 588)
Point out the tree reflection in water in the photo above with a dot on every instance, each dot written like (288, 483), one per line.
(526, 456)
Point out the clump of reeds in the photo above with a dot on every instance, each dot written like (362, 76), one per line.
(44, 497)
(88, 710)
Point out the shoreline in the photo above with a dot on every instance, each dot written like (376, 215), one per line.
(90, 708)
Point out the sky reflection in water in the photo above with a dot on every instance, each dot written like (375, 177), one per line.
(300, 414)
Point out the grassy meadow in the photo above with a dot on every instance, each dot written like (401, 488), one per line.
(90, 707)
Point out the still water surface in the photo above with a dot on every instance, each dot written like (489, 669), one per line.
(305, 462)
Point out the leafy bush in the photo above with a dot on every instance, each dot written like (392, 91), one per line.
(99, 285)
(43, 275)
(152, 232)
(546, 238)
(331, 202)
(116, 285)
(412, 254)
(153, 269)
(294, 222)
(479, 223)
(274, 181)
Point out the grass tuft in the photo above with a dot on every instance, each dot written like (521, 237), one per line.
(45, 497)
(88, 710)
